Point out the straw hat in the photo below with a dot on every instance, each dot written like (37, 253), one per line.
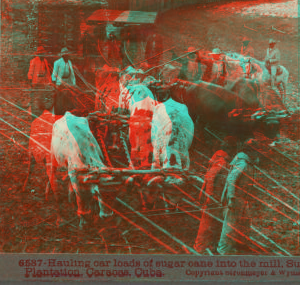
(191, 49)
(246, 39)
(272, 41)
(40, 50)
(216, 51)
(64, 51)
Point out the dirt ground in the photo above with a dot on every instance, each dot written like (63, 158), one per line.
(31, 220)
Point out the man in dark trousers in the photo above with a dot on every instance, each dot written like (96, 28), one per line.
(210, 229)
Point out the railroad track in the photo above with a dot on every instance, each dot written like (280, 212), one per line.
(188, 207)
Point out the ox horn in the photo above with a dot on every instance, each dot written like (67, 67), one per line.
(174, 180)
(156, 181)
(132, 181)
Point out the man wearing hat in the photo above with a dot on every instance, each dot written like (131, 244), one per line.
(209, 230)
(39, 75)
(63, 76)
(39, 72)
(191, 67)
(219, 70)
(235, 196)
(247, 49)
(63, 72)
(272, 60)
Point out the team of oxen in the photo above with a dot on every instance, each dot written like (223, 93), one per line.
(160, 116)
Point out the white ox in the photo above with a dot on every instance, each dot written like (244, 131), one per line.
(74, 148)
(140, 102)
(171, 135)
(141, 106)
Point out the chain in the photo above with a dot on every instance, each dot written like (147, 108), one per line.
(102, 145)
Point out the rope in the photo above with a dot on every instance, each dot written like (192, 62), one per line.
(128, 55)
(155, 55)
(93, 89)
(103, 147)
(122, 140)
(184, 55)
(99, 49)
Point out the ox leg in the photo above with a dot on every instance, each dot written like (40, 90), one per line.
(134, 142)
(283, 95)
(145, 151)
(56, 190)
(84, 198)
(199, 138)
(31, 167)
(71, 194)
(105, 211)
(59, 190)
(114, 135)
(185, 160)
(48, 189)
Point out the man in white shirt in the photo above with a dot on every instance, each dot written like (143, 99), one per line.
(272, 60)
(63, 72)
(63, 77)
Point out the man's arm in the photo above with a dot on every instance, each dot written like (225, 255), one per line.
(233, 178)
(73, 79)
(31, 69)
(251, 52)
(55, 71)
(267, 56)
(48, 71)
